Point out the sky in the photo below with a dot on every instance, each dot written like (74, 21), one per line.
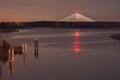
(50, 10)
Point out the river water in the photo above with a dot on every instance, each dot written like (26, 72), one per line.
(63, 54)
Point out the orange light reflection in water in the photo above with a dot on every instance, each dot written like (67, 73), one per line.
(76, 42)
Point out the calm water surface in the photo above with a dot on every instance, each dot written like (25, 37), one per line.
(63, 54)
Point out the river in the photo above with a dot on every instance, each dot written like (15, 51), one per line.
(63, 54)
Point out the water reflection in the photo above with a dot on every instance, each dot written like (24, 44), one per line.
(11, 68)
(36, 46)
(24, 53)
(57, 58)
(11, 61)
(76, 42)
(24, 59)
(11, 54)
(8, 52)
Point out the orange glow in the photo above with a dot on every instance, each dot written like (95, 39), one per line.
(76, 34)
(76, 42)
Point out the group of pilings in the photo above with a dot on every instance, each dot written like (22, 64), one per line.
(36, 47)
(20, 49)
(11, 56)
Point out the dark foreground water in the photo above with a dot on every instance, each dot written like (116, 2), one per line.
(63, 54)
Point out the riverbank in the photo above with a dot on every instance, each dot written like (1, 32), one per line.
(116, 36)
(8, 30)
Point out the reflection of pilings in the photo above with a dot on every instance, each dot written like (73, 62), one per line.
(24, 48)
(11, 68)
(11, 60)
(36, 47)
(11, 54)
(24, 59)
(8, 52)
(24, 53)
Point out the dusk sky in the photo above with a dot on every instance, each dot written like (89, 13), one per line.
(38, 10)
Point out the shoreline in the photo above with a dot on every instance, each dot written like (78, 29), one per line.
(116, 36)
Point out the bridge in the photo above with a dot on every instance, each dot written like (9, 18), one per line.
(77, 17)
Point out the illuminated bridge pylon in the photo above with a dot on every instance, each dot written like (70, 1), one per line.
(77, 17)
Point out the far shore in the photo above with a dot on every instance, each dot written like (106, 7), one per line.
(8, 27)
(116, 36)
(8, 30)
